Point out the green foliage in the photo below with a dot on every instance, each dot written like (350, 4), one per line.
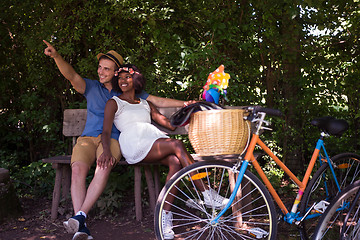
(118, 185)
(10, 161)
(268, 48)
(35, 179)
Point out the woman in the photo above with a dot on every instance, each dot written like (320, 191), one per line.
(140, 140)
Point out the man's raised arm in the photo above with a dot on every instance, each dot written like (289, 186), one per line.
(66, 69)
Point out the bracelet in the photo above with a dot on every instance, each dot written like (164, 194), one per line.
(185, 104)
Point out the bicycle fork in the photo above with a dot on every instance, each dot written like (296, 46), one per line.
(239, 179)
(256, 232)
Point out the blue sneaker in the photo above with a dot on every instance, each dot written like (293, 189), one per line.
(82, 234)
(74, 224)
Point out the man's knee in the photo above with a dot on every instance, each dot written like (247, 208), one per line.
(79, 170)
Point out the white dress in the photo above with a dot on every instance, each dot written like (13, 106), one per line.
(137, 134)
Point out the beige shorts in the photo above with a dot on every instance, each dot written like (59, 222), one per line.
(88, 149)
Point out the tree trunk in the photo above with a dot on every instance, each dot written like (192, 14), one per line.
(293, 141)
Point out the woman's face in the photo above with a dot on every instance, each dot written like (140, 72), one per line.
(125, 81)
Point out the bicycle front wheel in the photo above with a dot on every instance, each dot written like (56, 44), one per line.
(331, 223)
(322, 188)
(252, 214)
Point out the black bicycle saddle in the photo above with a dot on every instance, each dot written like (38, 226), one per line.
(331, 125)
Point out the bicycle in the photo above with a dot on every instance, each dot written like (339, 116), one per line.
(250, 212)
(341, 220)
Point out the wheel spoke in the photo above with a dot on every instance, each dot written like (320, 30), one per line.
(323, 187)
(252, 212)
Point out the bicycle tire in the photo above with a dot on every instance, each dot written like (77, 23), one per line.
(331, 222)
(249, 213)
(347, 170)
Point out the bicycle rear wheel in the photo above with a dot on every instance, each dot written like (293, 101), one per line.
(322, 187)
(331, 222)
(252, 214)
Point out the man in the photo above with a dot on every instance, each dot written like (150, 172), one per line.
(88, 147)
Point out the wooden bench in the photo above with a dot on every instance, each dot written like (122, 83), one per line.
(73, 125)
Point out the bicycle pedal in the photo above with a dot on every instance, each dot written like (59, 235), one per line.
(321, 206)
(258, 232)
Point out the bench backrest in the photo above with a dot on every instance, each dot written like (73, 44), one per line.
(75, 119)
(74, 122)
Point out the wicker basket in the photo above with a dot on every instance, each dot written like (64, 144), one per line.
(217, 132)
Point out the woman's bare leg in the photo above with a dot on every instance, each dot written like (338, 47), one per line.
(176, 166)
(172, 153)
(164, 147)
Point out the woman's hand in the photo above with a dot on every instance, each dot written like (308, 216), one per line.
(105, 160)
(159, 118)
(187, 103)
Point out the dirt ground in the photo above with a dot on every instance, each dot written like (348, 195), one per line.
(35, 224)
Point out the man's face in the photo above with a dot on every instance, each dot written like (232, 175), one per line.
(106, 70)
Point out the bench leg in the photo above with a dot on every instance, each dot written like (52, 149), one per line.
(66, 183)
(57, 191)
(151, 187)
(157, 181)
(137, 193)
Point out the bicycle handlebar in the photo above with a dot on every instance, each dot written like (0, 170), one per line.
(269, 111)
(257, 109)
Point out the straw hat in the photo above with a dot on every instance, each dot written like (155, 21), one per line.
(114, 56)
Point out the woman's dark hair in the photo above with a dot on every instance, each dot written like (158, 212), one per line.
(137, 77)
